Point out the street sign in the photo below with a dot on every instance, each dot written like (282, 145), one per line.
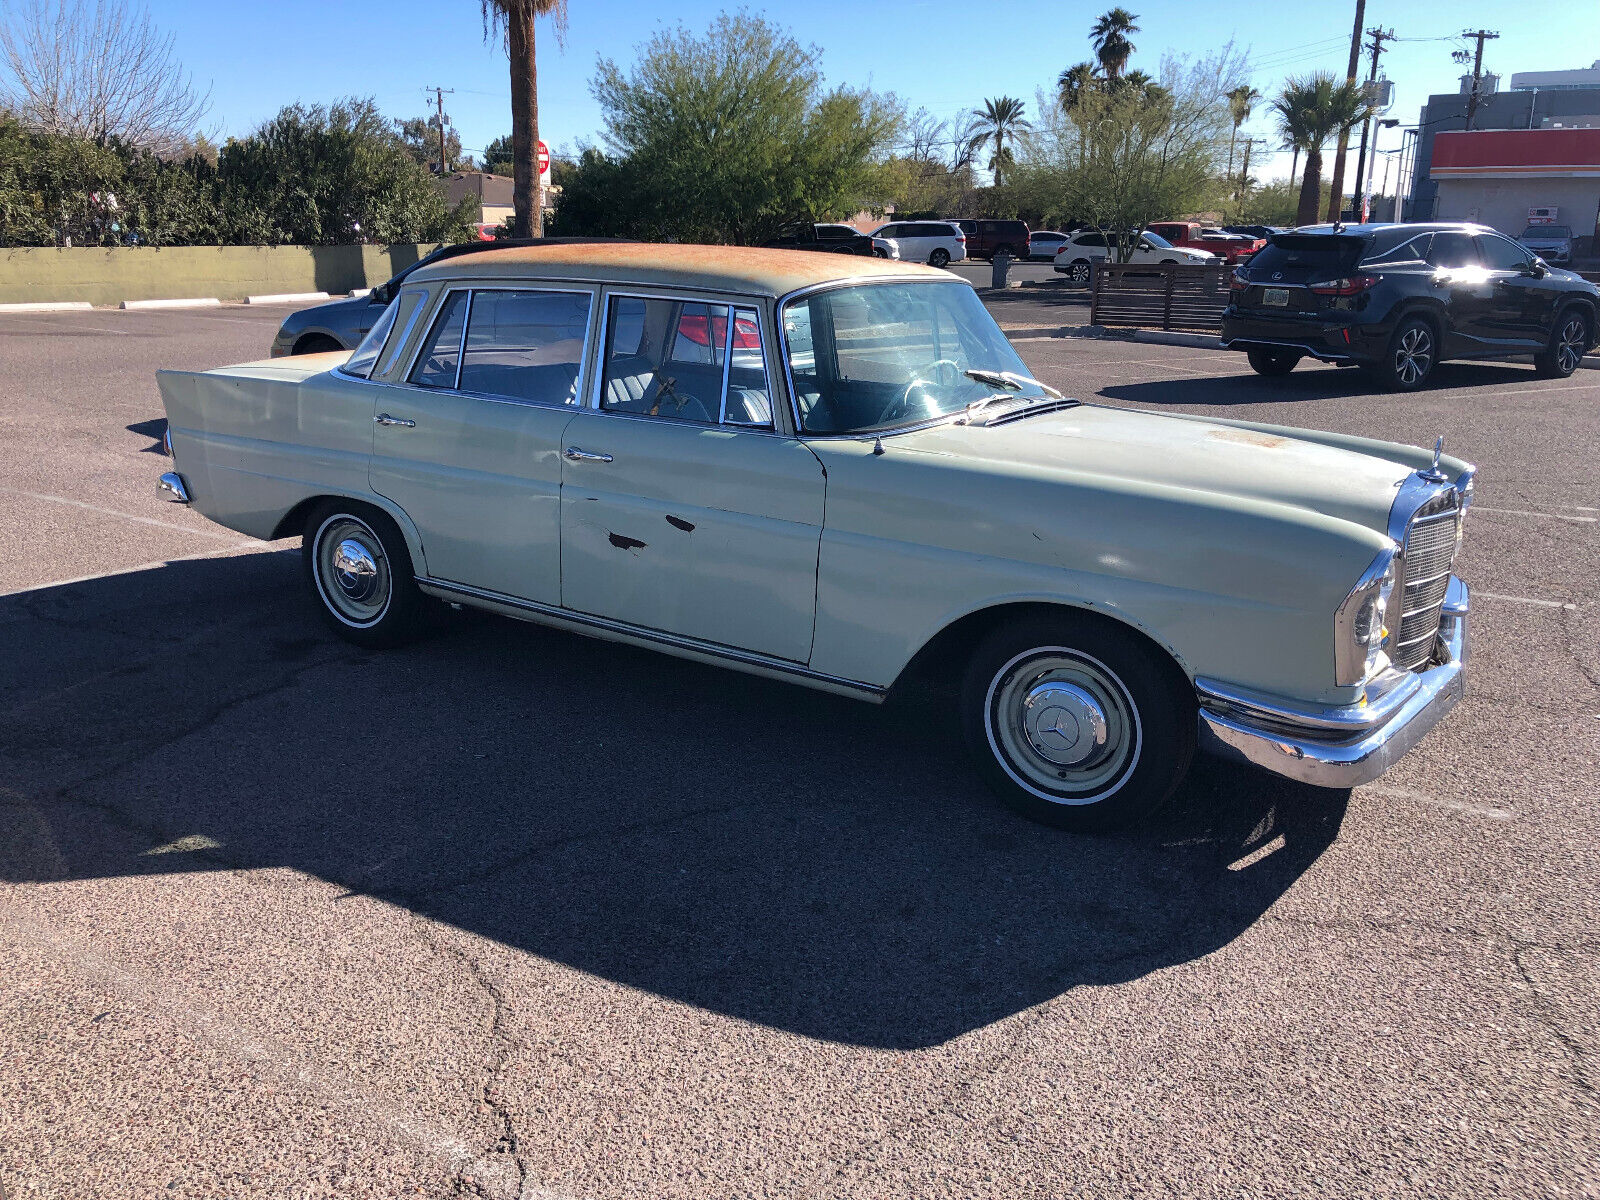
(1543, 214)
(544, 162)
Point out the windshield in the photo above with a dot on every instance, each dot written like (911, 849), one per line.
(875, 356)
(1156, 240)
(1547, 231)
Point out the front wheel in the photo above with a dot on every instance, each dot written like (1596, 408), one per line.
(1074, 721)
(939, 258)
(1409, 360)
(1272, 362)
(1078, 270)
(1568, 344)
(359, 572)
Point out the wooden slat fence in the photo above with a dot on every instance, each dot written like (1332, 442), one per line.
(1160, 296)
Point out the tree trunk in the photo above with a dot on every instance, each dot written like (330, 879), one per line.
(1310, 188)
(1336, 200)
(529, 219)
(1232, 138)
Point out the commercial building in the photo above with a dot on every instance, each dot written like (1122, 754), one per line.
(1508, 178)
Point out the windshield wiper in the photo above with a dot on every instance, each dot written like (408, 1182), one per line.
(1010, 379)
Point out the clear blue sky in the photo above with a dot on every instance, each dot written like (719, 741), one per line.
(938, 54)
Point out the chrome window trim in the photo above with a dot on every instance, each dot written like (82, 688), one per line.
(580, 384)
(727, 358)
(367, 378)
(732, 301)
(646, 633)
(405, 334)
(782, 332)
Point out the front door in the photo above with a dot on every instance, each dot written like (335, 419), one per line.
(1467, 290)
(469, 445)
(683, 509)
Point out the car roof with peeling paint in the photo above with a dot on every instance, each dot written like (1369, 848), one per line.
(746, 270)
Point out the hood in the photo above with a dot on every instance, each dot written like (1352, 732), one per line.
(1159, 450)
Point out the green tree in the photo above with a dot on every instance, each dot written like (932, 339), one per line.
(1075, 82)
(1240, 101)
(999, 120)
(499, 156)
(515, 20)
(722, 137)
(1311, 109)
(421, 138)
(1109, 36)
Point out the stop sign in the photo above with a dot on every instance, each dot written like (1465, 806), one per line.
(544, 161)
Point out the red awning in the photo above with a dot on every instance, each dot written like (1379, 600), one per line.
(1517, 154)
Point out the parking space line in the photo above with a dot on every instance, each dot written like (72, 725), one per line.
(1523, 599)
(1476, 810)
(111, 512)
(1524, 512)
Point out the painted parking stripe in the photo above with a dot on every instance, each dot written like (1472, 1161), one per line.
(1525, 512)
(111, 512)
(1477, 592)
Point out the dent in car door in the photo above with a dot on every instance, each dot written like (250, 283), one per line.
(702, 531)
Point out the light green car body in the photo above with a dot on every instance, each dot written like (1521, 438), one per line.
(832, 561)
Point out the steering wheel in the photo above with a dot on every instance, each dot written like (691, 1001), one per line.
(667, 391)
(902, 406)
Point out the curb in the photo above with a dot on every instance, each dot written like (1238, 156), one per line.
(207, 302)
(357, 292)
(41, 306)
(1160, 337)
(286, 298)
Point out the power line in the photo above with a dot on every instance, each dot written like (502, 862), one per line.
(439, 94)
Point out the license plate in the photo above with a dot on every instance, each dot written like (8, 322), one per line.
(1275, 296)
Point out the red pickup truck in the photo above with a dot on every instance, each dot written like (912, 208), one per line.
(1188, 234)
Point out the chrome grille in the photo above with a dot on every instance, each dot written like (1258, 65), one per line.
(1430, 548)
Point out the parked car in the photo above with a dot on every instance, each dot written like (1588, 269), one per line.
(1399, 299)
(986, 238)
(1253, 231)
(1191, 235)
(937, 243)
(341, 324)
(872, 479)
(1088, 246)
(1043, 244)
(1553, 243)
(826, 237)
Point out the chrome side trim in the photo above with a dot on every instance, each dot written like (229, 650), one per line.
(177, 490)
(670, 642)
(1341, 747)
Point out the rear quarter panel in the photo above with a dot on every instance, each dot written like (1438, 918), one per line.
(254, 440)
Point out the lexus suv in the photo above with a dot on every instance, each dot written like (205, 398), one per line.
(1399, 299)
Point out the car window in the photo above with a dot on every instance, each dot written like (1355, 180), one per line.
(525, 345)
(1409, 251)
(437, 365)
(1500, 254)
(407, 309)
(1452, 250)
(669, 358)
(361, 359)
(1089, 239)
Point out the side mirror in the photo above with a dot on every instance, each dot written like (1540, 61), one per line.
(1535, 269)
(379, 294)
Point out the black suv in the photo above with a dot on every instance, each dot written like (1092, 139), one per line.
(1398, 299)
(829, 237)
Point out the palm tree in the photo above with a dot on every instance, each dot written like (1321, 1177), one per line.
(1240, 101)
(1110, 39)
(515, 20)
(1075, 83)
(1310, 110)
(998, 120)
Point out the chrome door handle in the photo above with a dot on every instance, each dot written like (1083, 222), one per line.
(577, 455)
(386, 419)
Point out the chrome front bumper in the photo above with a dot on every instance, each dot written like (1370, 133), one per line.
(1342, 747)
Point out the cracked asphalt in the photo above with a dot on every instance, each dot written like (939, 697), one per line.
(512, 913)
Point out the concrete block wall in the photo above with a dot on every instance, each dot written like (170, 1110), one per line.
(110, 275)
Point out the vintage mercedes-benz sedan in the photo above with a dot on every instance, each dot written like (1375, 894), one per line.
(831, 470)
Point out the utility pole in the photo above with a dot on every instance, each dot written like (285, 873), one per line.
(1379, 37)
(439, 94)
(1244, 171)
(1336, 203)
(1480, 36)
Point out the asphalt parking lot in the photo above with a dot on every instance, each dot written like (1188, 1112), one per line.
(518, 914)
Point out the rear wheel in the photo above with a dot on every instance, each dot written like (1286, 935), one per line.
(939, 258)
(359, 572)
(316, 343)
(1264, 361)
(1076, 722)
(1409, 360)
(1078, 270)
(1569, 342)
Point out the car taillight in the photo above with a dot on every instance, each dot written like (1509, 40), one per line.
(1353, 285)
(1237, 282)
(962, 239)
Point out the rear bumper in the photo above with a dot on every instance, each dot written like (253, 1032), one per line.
(1341, 747)
(1330, 341)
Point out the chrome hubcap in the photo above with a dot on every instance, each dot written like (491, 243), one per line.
(1569, 350)
(352, 571)
(1063, 725)
(1078, 271)
(1414, 355)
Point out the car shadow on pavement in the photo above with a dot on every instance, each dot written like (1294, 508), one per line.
(156, 429)
(1307, 383)
(777, 855)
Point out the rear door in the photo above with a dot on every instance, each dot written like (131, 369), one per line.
(685, 507)
(468, 442)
